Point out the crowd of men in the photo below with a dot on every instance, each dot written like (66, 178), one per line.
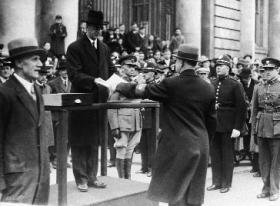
(241, 97)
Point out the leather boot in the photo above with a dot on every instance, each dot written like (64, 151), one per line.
(120, 167)
(127, 168)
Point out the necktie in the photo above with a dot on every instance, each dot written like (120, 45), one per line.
(33, 94)
(65, 83)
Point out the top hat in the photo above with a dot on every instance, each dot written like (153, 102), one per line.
(95, 18)
(224, 60)
(24, 47)
(187, 52)
(270, 63)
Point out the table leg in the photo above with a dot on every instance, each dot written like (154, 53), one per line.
(62, 138)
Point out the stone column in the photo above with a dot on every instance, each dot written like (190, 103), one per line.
(17, 19)
(46, 12)
(274, 29)
(247, 23)
(188, 18)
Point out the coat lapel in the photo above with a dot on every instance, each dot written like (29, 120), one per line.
(40, 105)
(25, 98)
(89, 49)
(101, 59)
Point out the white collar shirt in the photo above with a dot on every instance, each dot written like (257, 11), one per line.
(93, 42)
(26, 84)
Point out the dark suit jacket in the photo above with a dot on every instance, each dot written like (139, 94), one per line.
(23, 147)
(85, 63)
(188, 118)
(231, 113)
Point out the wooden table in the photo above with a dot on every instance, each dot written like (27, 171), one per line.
(62, 136)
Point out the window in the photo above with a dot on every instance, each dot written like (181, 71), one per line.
(259, 22)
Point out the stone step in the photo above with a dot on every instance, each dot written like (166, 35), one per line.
(119, 192)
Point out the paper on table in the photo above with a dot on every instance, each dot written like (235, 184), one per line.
(110, 83)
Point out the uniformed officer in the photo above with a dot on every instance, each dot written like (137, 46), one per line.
(266, 127)
(231, 115)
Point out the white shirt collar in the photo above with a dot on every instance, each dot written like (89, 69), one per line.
(3, 80)
(93, 42)
(26, 84)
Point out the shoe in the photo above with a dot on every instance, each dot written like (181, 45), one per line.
(257, 174)
(224, 189)
(213, 187)
(141, 171)
(149, 173)
(97, 184)
(274, 197)
(82, 187)
(253, 171)
(263, 195)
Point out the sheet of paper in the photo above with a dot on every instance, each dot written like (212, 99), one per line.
(111, 83)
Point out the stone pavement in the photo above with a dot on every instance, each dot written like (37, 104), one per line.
(243, 191)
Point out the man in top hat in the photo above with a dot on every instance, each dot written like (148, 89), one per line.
(58, 33)
(87, 58)
(188, 120)
(24, 159)
(231, 115)
(5, 71)
(266, 127)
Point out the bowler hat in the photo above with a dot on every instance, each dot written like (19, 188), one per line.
(224, 60)
(187, 52)
(270, 63)
(245, 73)
(95, 18)
(24, 46)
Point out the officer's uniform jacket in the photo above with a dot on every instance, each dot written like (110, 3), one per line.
(266, 109)
(230, 104)
(125, 119)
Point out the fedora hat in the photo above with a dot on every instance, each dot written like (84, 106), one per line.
(187, 52)
(24, 46)
(95, 18)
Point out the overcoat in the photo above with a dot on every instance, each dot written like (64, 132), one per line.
(48, 126)
(58, 33)
(187, 120)
(84, 64)
(24, 157)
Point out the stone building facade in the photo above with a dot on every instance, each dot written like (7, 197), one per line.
(236, 27)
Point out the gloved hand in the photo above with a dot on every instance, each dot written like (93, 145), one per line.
(235, 133)
(116, 133)
(255, 139)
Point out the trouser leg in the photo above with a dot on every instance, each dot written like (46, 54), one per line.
(255, 162)
(216, 159)
(265, 163)
(79, 164)
(227, 159)
(151, 147)
(92, 162)
(144, 150)
(120, 167)
(274, 145)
